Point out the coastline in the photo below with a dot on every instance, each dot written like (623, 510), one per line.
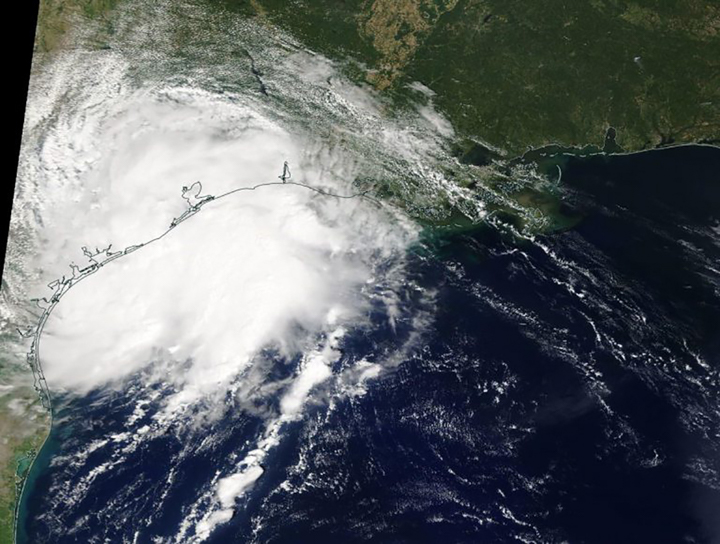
(195, 204)
(192, 195)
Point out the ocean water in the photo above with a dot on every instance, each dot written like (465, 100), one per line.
(565, 389)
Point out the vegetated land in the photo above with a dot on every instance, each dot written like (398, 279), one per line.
(511, 74)
(517, 74)
(23, 426)
(56, 18)
(24, 422)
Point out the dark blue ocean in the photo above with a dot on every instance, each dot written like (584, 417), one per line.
(567, 390)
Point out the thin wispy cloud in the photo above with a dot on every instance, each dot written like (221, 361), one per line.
(244, 306)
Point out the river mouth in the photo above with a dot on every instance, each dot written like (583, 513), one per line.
(576, 396)
(446, 360)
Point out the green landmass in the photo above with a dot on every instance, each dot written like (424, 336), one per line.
(510, 75)
(517, 74)
(24, 424)
(57, 18)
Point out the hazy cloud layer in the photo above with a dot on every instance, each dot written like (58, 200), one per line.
(280, 273)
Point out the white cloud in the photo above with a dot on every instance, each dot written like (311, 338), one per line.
(254, 269)
(280, 267)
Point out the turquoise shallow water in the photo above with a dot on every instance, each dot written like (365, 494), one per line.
(566, 391)
(39, 466)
